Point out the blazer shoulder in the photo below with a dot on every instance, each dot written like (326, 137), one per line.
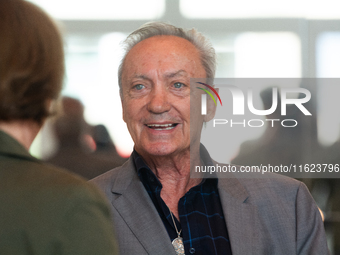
(258, 187)
(275, 189)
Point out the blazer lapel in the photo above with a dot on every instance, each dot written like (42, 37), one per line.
(241, 218)
(136, 208)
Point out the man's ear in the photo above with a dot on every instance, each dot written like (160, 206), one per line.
(211, 108)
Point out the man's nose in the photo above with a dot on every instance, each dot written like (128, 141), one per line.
(159, 100)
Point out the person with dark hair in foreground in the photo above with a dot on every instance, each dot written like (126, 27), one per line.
(157, 207)
(44, 210)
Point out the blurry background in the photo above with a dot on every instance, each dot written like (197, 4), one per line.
(253, 39)
(259, 38)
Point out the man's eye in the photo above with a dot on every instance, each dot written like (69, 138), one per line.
(139, 86)
(178, 85)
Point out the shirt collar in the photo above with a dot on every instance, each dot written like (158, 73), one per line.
(148, 178)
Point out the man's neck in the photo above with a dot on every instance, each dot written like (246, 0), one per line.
(174, 174)
(24, 131)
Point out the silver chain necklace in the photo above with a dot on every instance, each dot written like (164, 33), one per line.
(177, 243)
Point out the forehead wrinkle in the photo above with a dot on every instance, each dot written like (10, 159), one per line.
(174, 74)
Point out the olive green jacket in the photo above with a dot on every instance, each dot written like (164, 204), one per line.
(45, 210)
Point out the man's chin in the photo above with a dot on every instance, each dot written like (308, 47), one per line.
(162, 150)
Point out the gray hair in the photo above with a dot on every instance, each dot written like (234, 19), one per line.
(150, 29)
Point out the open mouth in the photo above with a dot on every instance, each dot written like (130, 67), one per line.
(162, 126)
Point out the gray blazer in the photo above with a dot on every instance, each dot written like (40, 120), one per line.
(263, 216)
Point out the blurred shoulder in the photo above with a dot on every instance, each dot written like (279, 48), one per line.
(39, 180)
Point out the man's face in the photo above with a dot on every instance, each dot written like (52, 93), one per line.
(156, 95)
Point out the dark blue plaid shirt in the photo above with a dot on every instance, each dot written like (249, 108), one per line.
(200, 212)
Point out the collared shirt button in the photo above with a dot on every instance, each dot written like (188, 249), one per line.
(192, 250)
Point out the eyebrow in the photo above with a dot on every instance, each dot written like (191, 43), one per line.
(166, 75)
(140, 76)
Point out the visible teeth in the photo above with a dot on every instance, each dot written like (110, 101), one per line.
(164, 128)
(161, 126)
(158, 125)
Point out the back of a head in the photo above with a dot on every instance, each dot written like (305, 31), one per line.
(102, 137)
(70, 126)
(69, 130)
(72, 107)
(31, 61)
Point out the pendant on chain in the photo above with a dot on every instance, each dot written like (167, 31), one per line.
(177, 243)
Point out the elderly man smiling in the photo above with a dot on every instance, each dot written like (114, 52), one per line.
(157, 207)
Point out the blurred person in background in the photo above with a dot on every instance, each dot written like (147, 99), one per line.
(105, 148)
(44, 210)
(82, 149)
